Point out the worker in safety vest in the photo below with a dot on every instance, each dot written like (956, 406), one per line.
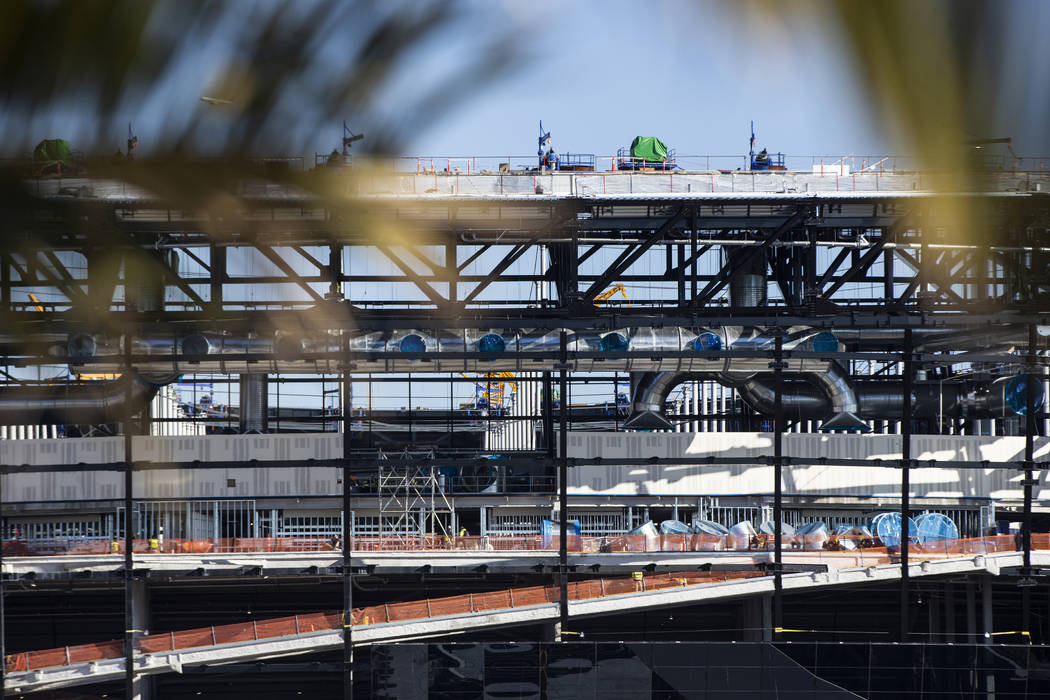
(114, 546)
(463, 532)
(636, 576)
(154, 545)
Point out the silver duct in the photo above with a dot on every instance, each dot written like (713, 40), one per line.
(747, 288)
(877, 399)
(255, 405)
(143, 286)
(75, 404)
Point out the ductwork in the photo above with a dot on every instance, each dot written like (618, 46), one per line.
(255, 404)
(836, 394)
(93, 403)
(822, 389)
(879, 399)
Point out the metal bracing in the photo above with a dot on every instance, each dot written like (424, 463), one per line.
(412, 503)
(662, 242)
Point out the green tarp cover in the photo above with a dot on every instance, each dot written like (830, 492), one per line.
(53, 149)
(649, 149)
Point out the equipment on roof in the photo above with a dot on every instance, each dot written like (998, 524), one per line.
(648, 149)
(764, 160)
(50, 150)
(645, 153)
(549, 160)
(133, 142)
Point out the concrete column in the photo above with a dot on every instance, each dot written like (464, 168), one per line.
(552, 631)
(988, 628)
(971, 613)
(140, 615)
(949, 613)
(756, 619)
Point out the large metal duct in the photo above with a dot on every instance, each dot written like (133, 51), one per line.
(143, 284)
(255, 406)
(879, 399)
(830, 390)
(747, 288)
(93, 403)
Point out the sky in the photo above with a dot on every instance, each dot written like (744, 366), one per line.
(693, 74)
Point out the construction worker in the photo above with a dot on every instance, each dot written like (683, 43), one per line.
(463, 532)
(639, 584)
(154, 545)
(114, 546)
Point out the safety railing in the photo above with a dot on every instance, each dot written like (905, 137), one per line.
(470, 603)
(818, 546)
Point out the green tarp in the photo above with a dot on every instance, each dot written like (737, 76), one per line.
(53, 149)
(649, 148)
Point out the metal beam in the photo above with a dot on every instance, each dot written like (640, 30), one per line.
(270, 254)
(508, 260)
(869, 256)
(413, 276)
(726, 275)
(629, 256)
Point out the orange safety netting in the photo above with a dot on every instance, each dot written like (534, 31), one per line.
(377, 614)
(617, 543)
(794, 544)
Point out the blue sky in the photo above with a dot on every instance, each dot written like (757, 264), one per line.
(596, 72)
(693, 74)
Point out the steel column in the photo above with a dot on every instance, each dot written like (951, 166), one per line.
(129, 537)
(1026, 581)
(563, 489)
(348, 587)
(905, 483)
(778, 495)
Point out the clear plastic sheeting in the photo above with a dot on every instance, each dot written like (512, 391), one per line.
(812, 536)
(887, 527)
(935, 527)
(674, 527)
(742, 535)
(647, 532)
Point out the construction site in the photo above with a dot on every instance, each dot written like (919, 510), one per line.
(632, 426)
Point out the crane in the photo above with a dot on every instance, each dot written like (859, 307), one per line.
(493, 390)
(611, 292)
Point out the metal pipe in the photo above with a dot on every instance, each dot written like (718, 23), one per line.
(254, 402)
(71, 404)
(806, 398)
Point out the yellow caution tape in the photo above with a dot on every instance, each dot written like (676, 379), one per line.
(1024, 633)
(133, 631)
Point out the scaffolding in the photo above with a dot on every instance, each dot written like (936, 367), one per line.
(412, 501)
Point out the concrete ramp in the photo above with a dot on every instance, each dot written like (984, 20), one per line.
(34, 671)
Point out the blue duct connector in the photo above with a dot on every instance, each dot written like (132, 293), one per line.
(492, 343)
(1016, 394)
(614, 342)
(825, 341)
(707, 341)
(413, 342)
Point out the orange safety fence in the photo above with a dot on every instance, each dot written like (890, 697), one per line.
(794, 544)
(376, 614)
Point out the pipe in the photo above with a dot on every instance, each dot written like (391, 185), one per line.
(254, 406)
(72, 404)
(876, 399)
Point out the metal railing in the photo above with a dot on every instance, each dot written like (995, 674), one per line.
(861, 550)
